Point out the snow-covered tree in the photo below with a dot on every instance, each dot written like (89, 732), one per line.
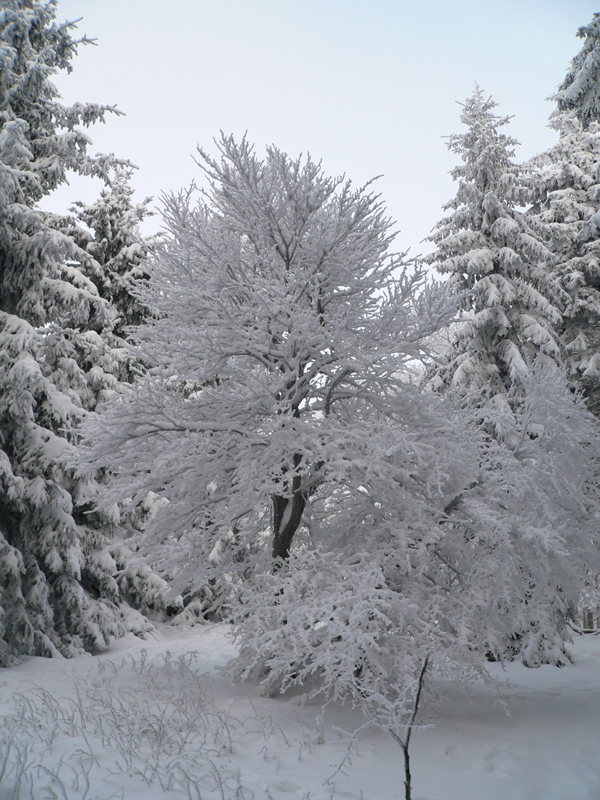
(362, 522)
(277, 313)
(111, 236)
(491, 569)
(58, 356)
(580, 90)
(488, 248)
(112, 252)
(565, 195)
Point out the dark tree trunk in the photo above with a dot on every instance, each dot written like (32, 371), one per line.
(287, 515)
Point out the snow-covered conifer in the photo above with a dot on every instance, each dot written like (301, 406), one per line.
(112, 238)
(489, 249)
(363, 521)
(58, 357)
(580, 90)
(565, 195)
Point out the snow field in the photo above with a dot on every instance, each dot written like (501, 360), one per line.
(157, 719)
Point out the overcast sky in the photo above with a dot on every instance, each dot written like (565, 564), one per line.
(368, 86)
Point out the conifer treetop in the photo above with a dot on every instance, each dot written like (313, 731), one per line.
(486, 153)
(490, 251)
(33, 123)
(580, 90)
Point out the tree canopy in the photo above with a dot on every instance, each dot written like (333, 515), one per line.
(283, 422)
(280, 317)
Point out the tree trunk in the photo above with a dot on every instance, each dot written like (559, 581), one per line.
(287, 515)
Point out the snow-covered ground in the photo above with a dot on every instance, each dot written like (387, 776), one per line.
(157, 719)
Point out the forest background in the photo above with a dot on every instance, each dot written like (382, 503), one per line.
(89, 304)
(266, 415)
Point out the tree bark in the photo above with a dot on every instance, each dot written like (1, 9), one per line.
(287, 516)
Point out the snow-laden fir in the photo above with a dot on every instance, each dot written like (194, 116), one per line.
(564, 185)
(488, 247)
(60, 357)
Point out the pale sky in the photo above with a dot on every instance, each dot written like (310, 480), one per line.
(368, 86)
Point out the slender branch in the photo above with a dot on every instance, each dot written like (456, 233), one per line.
(404, 743)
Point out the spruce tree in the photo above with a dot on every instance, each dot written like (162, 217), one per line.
(58, 358)
(115, 254)
(112, 239)
(493, 256)
(580, 90)
(565, 195)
